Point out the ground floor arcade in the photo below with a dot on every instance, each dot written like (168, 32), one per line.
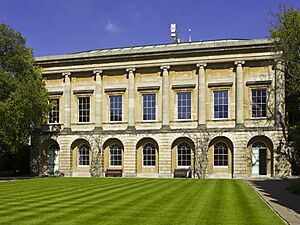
(158, 154)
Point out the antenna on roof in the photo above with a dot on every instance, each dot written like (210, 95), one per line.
(190, 35)
(174, 35)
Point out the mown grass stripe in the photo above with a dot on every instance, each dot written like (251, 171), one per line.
(132, 201)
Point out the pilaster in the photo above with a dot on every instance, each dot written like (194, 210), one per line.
(98, 99)
(239, 94)
(131, 87)
(201, 95)
(67, 106)
(165, 97)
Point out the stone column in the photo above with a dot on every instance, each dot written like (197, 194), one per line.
(67, 107)
(201, 95)
(98, 99)
(279, 90)
(239, 93)
(165, 97)
(130, 97)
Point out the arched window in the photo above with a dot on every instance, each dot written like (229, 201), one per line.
(184, 154)
(220, 154)
(53, 158)
(84, 155)
(148, 155)
(259, 144)
(115, 152)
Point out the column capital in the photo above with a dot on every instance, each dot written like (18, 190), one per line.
(66, 74)
(239, 63)
(97, 72)
(201, 65)
(165, 67)
(130, 69)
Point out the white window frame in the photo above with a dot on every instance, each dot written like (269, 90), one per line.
(267, 98)
(51, 99)
(222, 166)
(109, 159)
(78, 155)
(78, 114)
(177, 164)
(143, 106)
(122, 108)
(213, 103)
(177, 105)
(152, 166)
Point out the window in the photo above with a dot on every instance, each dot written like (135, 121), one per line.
(220, 104)
(148, 155)
(149, 107)
(184, 105)
(220, 154)
(259, 103)
(115, 155)
(184, 155)
(83, 155)
(84, 109)
(53, 115)
(115, 108)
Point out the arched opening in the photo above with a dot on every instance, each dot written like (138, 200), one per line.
(81, 157)
(113, 154)
(220, 157)
(183, 154)
(147, 157)
(259, 156)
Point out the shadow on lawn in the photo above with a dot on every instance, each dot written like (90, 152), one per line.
(277, 191)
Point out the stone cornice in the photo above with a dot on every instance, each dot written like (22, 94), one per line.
(149, 64)
(162, 49)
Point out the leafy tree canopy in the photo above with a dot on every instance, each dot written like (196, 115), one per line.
(23, 97)
(286, 32)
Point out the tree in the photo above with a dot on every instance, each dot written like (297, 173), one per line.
(23, 96)
(286, 34)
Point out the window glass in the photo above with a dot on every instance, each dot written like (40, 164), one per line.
(115, 108)
(84, 109)
(259, 103)
(83, 155)
(220, 154)
(184, 155)
(148, 155)
(53, 115)
(149, 107)
(115, 152)
(184, 105)
(220, 104)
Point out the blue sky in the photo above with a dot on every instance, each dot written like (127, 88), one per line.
(54, 27)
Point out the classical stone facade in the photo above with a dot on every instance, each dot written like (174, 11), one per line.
(150, 110)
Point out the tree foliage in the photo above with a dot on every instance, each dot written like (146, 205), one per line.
(23, 97)
(286, 33)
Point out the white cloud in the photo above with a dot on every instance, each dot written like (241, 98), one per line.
(112, 27)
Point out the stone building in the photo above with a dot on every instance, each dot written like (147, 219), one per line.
(149, 111)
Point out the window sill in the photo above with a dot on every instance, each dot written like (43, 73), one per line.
(83, 123)
(82, 166)
(183, 120)
(221, 167)
(221, 119)
(258, 118)
(149, 121)
(149, 167)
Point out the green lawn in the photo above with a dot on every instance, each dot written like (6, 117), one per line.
(132, 201)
